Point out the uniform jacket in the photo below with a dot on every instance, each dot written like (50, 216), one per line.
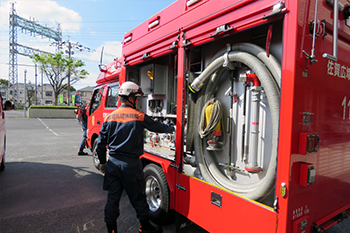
(123, 132)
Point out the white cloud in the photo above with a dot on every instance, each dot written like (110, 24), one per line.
(46, 12)
(89, 81)
(111, 50)
(50, 13)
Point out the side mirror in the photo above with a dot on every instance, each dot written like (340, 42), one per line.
(8, 105)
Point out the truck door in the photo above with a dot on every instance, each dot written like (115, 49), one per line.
(95, 103)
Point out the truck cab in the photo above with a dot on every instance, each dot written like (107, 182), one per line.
(104, 100)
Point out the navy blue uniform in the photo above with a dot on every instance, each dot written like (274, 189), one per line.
(123, 131)
(83, 119)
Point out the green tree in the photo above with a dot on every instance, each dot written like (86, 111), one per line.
(58, 68)
(4, 83)
(30, 90)
(71, 89)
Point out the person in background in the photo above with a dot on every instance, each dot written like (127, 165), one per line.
(82, 118)
(122, 131)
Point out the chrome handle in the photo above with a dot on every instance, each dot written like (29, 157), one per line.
(334, 57)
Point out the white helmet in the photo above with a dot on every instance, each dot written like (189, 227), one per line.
(130, 89)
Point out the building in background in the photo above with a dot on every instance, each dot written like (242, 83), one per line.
(85, 93)
(45, 94)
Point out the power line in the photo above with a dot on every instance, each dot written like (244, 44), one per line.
(109, 21)
(90, 0)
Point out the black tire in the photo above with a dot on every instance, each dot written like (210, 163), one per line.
(95, 159)
(157, 194)
(2, 167)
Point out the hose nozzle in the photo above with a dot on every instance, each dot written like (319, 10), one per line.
(196, 85)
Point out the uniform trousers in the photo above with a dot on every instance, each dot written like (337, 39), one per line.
(124, 173)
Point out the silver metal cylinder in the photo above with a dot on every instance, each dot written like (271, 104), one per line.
(253, 165)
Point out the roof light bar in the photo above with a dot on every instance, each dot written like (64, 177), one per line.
(127, 39)
(191, 2)
(153, 24)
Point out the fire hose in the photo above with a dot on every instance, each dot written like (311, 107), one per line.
(210, 126)
(268, 72)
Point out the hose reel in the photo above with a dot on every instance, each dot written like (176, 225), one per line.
(267, 71)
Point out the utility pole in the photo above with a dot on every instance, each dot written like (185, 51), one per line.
(34, 28)
(13, 71)
(42, 87)
(25, 94)
(69, 56)
(70, 47)
(36, 85)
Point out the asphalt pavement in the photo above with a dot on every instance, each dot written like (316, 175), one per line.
(46, 187)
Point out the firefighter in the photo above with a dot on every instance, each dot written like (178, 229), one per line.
(122, 131)
(82, 118)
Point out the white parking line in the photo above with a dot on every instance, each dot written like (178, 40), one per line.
(47, 127)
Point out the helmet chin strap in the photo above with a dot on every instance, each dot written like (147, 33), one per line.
(132, 103)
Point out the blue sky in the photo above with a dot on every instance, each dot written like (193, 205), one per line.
(92, 23)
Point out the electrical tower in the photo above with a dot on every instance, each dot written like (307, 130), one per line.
(35, 29)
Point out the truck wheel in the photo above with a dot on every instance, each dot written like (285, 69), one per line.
(95, 159)
(157, 194)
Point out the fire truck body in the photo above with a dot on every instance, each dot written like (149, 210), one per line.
(271, 86)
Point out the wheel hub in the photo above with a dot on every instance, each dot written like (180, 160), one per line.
(153, 193)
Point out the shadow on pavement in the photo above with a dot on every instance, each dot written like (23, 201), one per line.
(43, 197)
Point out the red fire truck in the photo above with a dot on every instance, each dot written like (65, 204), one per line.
(259, 94)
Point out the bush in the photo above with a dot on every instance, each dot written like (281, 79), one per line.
(52, 107)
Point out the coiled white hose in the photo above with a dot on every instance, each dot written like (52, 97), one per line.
(268, 71)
